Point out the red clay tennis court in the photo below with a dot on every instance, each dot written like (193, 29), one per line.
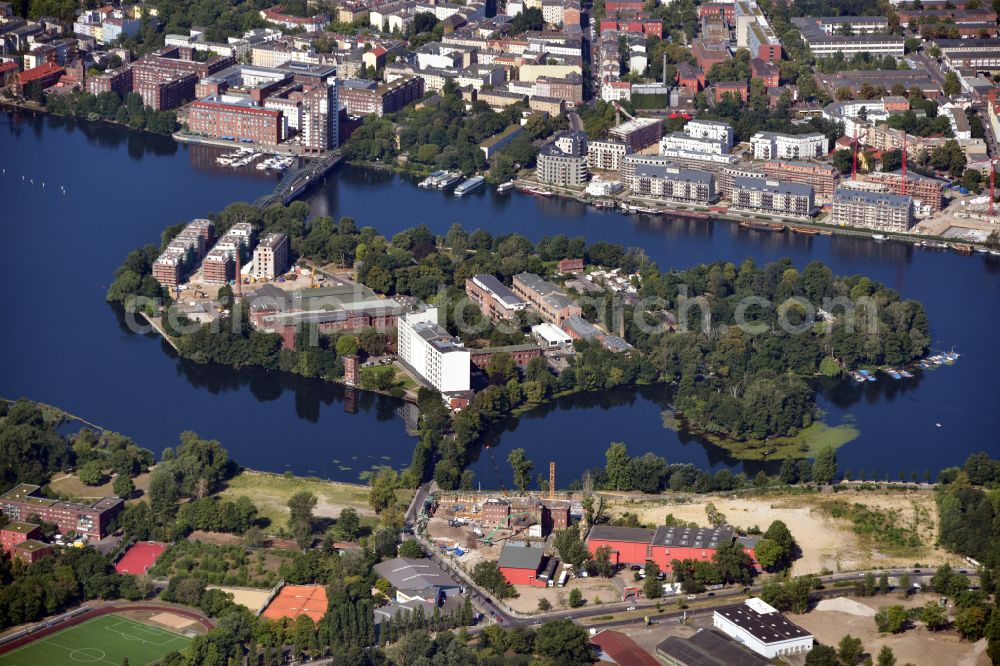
(140, 558)
(295, 600)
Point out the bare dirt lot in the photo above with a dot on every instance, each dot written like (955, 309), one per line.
(591, 588)
(826, 542)
(916, 646)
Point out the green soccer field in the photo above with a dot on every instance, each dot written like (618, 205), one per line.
(107, 639)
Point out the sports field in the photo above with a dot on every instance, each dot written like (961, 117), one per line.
(107, 639)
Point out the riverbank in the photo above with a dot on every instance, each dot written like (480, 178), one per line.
(34, 107)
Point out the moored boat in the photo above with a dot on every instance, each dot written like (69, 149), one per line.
(805, 231)
(469, 185)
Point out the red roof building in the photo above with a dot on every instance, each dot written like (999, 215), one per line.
(8, 70)
(47, 74)
(690, 77)
(622, 650)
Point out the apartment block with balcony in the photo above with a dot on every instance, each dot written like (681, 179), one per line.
(772, 197)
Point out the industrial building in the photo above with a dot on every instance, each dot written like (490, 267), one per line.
(545, 297)
(521, 563)
(882, 211)
(707, 647)
(343, 307)
(439, 358)
(772, 197)
(638, 545)
(494, 299)
(417, 579)
(762, 628)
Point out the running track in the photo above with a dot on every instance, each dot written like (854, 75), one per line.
(104, 610)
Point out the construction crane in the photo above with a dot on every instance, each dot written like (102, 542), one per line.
(488, 539)
(902, 181)
(618, 111)
(496, 468)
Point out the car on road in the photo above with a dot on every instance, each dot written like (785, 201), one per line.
(692, 596)
(916, 571)
(630, 608)
(636, 567)
(711, 594)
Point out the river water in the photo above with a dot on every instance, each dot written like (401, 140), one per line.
(62, 344)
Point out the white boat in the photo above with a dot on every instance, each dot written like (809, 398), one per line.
(469, 185)
(878, 237)
(505, 187)
(448, 180)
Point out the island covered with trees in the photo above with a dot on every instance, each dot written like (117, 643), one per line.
(741, 369)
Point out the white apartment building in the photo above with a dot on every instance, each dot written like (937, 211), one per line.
(711, 129)
(270, 258)
(606, 155)
(762, 628)
(682, 141)
(775, 146)
(430, 351)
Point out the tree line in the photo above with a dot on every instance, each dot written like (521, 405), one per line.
(132, 113)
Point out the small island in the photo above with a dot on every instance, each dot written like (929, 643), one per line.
(740, 345)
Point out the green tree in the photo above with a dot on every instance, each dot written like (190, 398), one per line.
(347, 345)
(850, 650)
(715, 517)
(843, 159)
(563, 641)
(576, 598)
(544, 605)
(487, 574)
(891, 619)
(410, 548)
(618, 467)
(824, 469)
(92, 473)
(822, 655)
(769, 554)
(652, 587)
(384, 482)
(602, 560)
(300, 507)
(348, 524)
(971, 622)
(934, 616)
(569, 546)
(521, 467)
(951, 86)
(885, 657)
(123, 486)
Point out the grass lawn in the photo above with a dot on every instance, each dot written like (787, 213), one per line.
(71, 485)
(271, 492)
(107, 639)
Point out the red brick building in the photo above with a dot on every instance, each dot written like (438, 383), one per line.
(90, 520)
(119, 81)
(166, 79)
(709, 53)
(612, 7)
(635, 26)
(520, 563)
(822, 177)
(726, 10)
(735, 88)
(690, 77)
(235, 117)
(8, 70)
(766, 71)
(638, 545)
(386, 98)
(30, 551)
(521, 354)
(15, 533)
(45, 75)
